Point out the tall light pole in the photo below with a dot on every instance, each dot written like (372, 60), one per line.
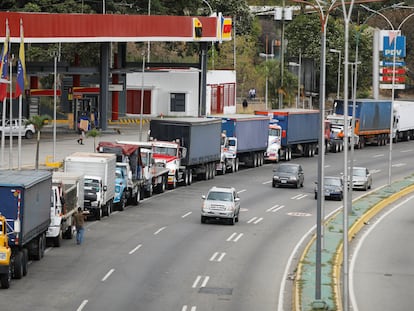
(339, 71)
(266, 56)
(142, 97)
(299, 69)
(149, 43)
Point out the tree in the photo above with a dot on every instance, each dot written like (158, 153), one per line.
(38, 123)
(94, 133)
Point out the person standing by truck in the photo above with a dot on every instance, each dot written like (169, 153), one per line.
(79, 220)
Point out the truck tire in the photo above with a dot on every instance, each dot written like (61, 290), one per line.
(137, 197)
(236, 166)
(18, 265)
(38, 249)
(25, 261)
(98, 213)
(57, 240)
(123, 202)
(43, 248)
(5, 279)
(190, 177)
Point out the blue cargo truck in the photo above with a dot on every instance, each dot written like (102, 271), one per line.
(187, 147)
(244, 140)
(372, 120)
(300, 131)
(24, 220)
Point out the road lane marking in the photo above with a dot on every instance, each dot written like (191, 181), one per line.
(82, 305)
(159, 230)
(135, 249)
(378, 155)
(107, 275)
(241, 191)
(234, 237)
(255, 220)
(216, 256)
(299, 214)
(198, 279)
(409, 150)
(266, 182)
(375, 171)
(275, 208)
(185, 215)
(299, 196)
(399, 164)
(193, 308)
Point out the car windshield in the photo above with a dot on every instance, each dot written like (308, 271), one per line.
(92, 184)
(333, 181)
(287, 169)
(220, 196)
(165, 150)
(358, 172)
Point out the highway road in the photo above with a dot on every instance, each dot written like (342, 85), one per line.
(382, 266)
(158, 256)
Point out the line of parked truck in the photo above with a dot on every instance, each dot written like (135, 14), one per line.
(37, 206)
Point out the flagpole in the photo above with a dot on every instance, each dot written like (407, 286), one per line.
(11, 114)
(3, 62)
(21, 66)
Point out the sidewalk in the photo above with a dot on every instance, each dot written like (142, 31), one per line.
(363, 210)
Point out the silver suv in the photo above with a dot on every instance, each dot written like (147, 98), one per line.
(221, 203)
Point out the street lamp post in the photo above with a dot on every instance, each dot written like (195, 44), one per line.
(299, 69)
(339, 70)
(266, 56)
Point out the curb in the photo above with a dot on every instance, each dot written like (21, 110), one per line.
(367, 206)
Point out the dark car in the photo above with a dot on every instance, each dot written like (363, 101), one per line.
(289, 175)
(333, 188)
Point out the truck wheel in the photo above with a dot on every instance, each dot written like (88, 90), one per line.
(25, 261)
(163, 185)
(5, 279)
(18, 265)
(137, 197)
(213, 170)
(43, 248)
(122, 203)
(223, 169)
(98, 213)
(185, 178)
(236, 166)
(57, 240)
(150, 191)
(38, 250)
(190, 177)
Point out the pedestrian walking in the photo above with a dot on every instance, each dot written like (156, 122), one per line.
(81, 137)
(79, 221)
(245, 104)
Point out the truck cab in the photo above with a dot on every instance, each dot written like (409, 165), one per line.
(273, 146)
(94, 193)
(5, 255)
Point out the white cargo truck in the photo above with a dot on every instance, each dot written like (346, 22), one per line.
(67, 196)
(99, 180)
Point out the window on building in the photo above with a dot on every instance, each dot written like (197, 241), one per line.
(177, 102)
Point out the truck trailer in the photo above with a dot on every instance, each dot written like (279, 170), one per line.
(372, 120)
(403, 120)
(300, 131)
(99, 180)
(244, 140)
(188, 147)
(24, 220)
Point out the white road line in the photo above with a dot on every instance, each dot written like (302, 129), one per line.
(115, 212)
(275, 208)
(216, 256)
(399, 164)
(409, 150)
(258, 220)
(241, 191)
(193, 308)
(198, 279)
(159, 230)
(205, 281)
(135, 249)
(107, 275)
(82, 305)
(185, 215)
(266, 182)
(233, 238)
(251, 220)
(299, 196)
(378, 155)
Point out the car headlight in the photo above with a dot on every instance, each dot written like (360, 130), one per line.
(230, 208)
(276, 177)
(292, 177)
